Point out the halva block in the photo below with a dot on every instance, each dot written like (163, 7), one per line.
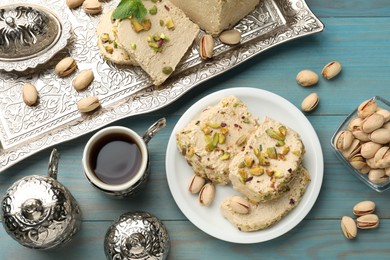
(210, 141)
(265, 214)
(269, 162)
(160, 41)
(214, 16)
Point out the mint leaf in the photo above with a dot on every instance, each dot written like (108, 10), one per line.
(126, 8)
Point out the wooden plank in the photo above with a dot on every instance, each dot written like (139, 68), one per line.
(310, 239)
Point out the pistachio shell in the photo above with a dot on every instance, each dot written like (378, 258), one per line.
(367, 108)
(29, 94)
(357, 161)
(360, 135)
(207, 194)
(307, 78)
(331, 70)
(343, 140)
(206, 46)
(196, 183)
(352, 150)
(378, 176)
(72, 4)
(386, 126)
(372, 122)
(65, 67)
(355, 124)
(371, 163)
(88, 104)
(92, 7)
(385, 113)
(364, 208)
(367, 221)
(230, 37)
(382, 157)
(310, 102)
(380, 136)
(369, 149)
(83, 80)
(239, 205)
(365, 170)
(348, 227)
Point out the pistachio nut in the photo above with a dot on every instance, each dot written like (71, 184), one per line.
(92, 7)
(367, 108)
(355, 124)
(369, 149)
(65, 67)
(88, 104)
(230, 37)
(196, 183)
(386, 126)
(382, 157)
(83, 80)
(349, 227)
(307, 78)
(206, 46)
(207, 194)
(352, 150)
(364, 208)
(365, 170)
(362, 136)
(357, 161)
(72, 4)
(239, 205)
(371, 163)
(331, 70)
(384, 112)
(380, 136)
(343, 140)
(310, 102)
(372, 122)
(367, 221)
(29, 94)
(377, 176)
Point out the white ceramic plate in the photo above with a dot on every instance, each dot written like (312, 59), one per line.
(209, 219)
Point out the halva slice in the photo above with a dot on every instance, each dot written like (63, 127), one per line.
(211, 140)
(160, 40)
(269, 162)
(107, 41)
(214, 16)
(265, 214)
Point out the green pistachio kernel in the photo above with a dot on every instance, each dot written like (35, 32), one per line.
(167, 70)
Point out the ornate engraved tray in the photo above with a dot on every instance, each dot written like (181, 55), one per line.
(125, 91)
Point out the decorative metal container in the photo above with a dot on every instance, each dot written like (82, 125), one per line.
(31, 33)
(137, 235)
(39, 212)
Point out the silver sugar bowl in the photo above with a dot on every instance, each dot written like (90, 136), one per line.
(137, 236)
(39, 212)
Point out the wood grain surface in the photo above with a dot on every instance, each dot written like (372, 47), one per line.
(357, 33)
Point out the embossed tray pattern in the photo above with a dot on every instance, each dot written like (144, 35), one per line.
(125, 91)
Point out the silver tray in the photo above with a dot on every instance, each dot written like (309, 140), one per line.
(125, 91)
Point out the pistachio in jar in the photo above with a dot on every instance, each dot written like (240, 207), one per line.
(372, 123)
(378, 176)
(367, 108)
(343, 140)
(382, 157)
(369, 149)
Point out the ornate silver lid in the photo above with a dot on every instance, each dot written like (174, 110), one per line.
(31, 33)
(39, 212)
(137, 235)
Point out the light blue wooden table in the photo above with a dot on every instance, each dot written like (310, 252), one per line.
(357, 34)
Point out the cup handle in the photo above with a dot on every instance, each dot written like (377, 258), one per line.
(153, 129)
(53, 164)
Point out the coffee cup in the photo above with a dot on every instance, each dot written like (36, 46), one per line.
(116, 159)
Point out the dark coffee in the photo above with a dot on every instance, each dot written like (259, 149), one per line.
(115, 158)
